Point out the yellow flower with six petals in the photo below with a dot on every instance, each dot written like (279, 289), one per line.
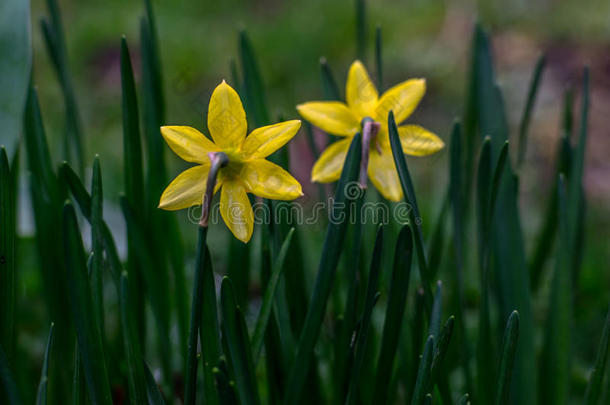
(344, 119)
(247, 171)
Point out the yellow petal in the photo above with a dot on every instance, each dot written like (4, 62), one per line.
(236, 210)
(188, 143)
(265, 140)
(187, 189)
(360, 92)
(268, 180)
(330, 163)
(402, 99)
(383, 174)
(330, 116)
(226, 117)
(418, 141)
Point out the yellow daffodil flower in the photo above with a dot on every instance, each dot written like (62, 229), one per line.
(345, 120)
(247, 171)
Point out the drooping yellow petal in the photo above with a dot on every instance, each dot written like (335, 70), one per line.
(236, 210)
(265, 140)
(402, 99)
(330, 116)
(418, 141)
(330, 163)
(226, 117)
(360, 92)
(187, 189)
(188, 143)
(383, 174)
(268, 180)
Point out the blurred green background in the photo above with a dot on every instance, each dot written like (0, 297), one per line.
(421, 38)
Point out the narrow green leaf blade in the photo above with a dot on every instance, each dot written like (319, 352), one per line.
(41, 396)
(423, 373)
(365, 323)
(8, 380)
(256, 104)
(414, 215)
(329, 84)
(399, 286)
(593, 393)
(154, 395)
(236, 335)
(97, 243)
(265, 311)
(529, 106)
(435, 315)
(135, 376)
(7, 255)
(509, 347)
(88, 334)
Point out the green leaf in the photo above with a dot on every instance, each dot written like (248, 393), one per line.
(79, 393)
(378, 58)
(8, 381)
(372, 295)
(209, 329)
(437, 240)
(226, 387)
(593, 393)
(435, 314)
(135, 366)
(236, 335)
(556, 352)
(55, 42)
(97, 243)
(84, 201)
(7, 255)
(331, 252)
(255, 101)
(15, 68)
(464, 400)
(509, 347)
(423, 373)
(399, 286)
(152, 390)
(414, 216)
(156, 283)
(88, 334)
(440, 351)
(529, 106)
(41, 396)
(547, 234)
(265, 311)
(329, 84)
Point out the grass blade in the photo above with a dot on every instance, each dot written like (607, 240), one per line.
(435, 314)
(414, 216)
(547, 233)
(509, 347)
(256, 104)
(365, 323)
(97, 244)
(135, 375)
(236, 335)
(79, 392)
(556, 352)
(152, 389)
(226, 388)
(41, 396)
(265, 311)
(88, 334)
(465, 400)
(423, 373)
(329, 84)
(593, 393)
(331, 252)
(7, 255)
(529, 106)
(399, 286)
(440, 351)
